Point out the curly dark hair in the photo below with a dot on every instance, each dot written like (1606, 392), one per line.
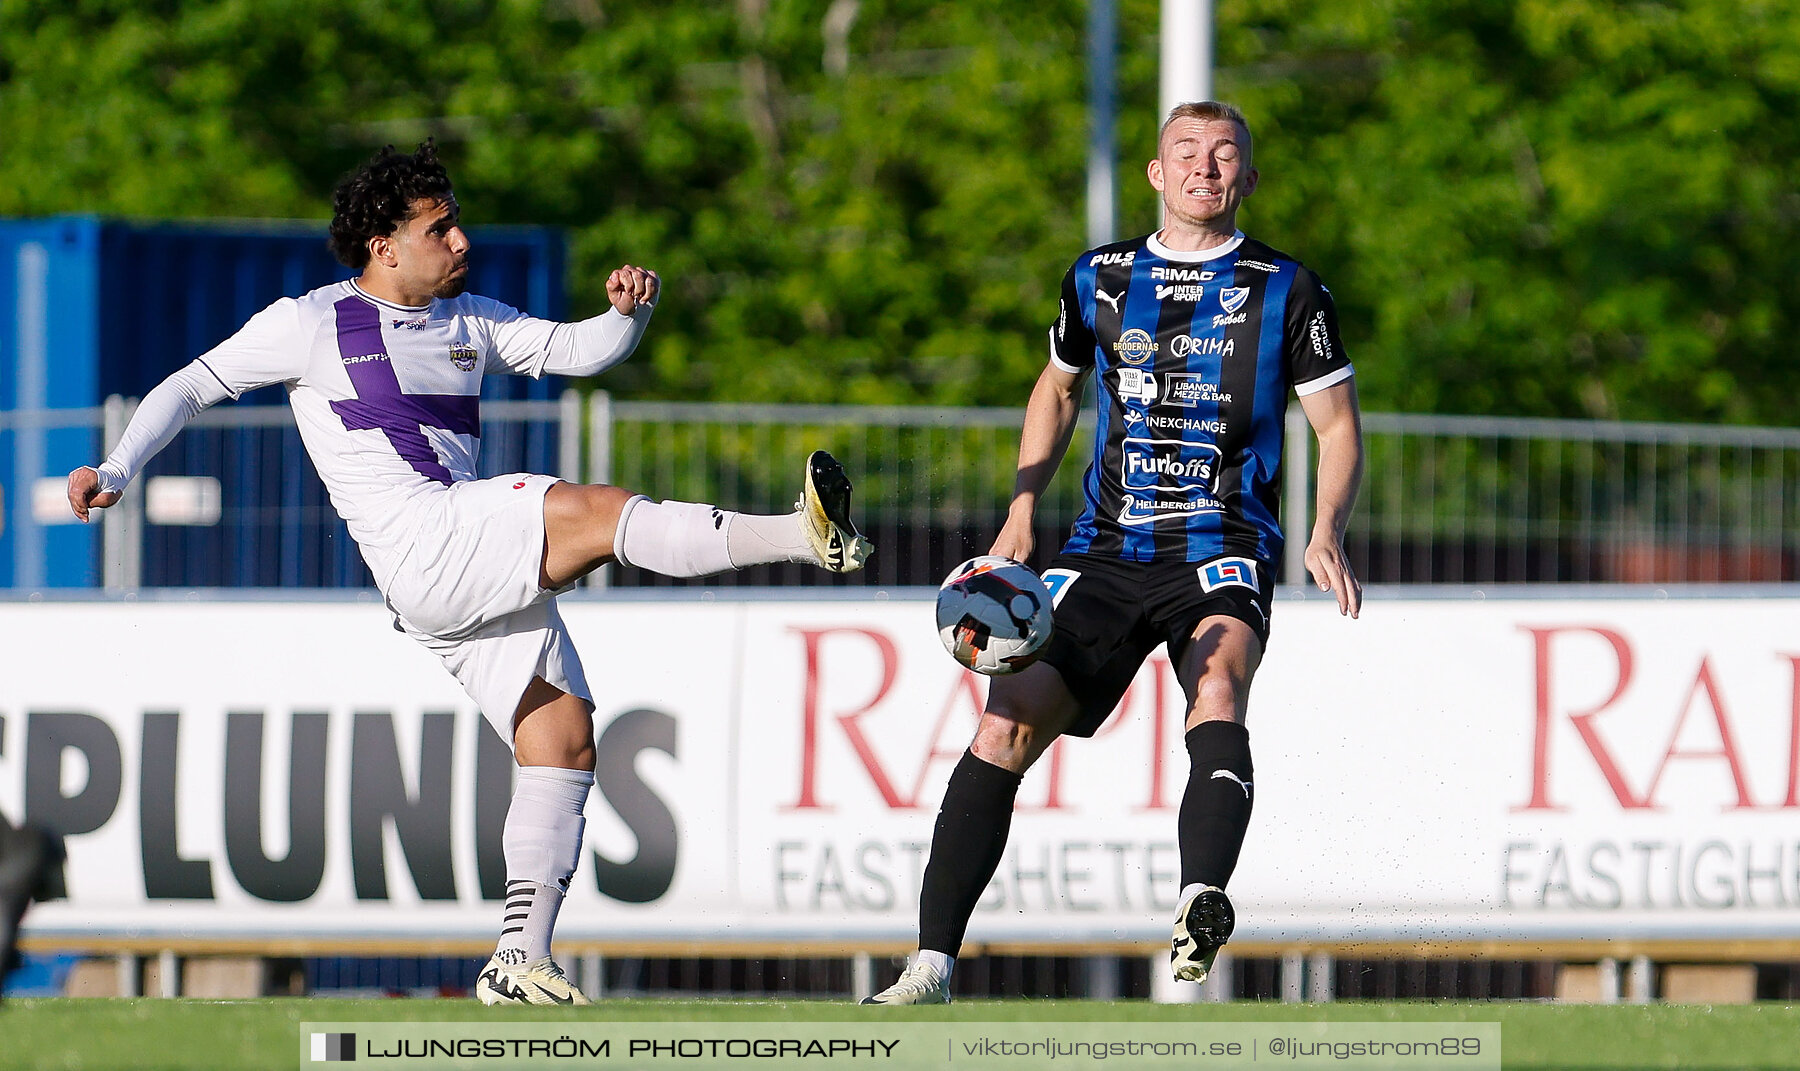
(377, 198)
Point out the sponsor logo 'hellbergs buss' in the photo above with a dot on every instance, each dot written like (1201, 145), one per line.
(1135, 346)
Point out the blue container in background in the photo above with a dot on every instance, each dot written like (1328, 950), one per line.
(91, 308)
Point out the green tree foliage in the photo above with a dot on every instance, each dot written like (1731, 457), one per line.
(1557, 207)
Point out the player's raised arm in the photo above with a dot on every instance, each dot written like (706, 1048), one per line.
(163, 412)
(590, 346)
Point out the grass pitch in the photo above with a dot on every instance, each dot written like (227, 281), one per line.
(191, 1035)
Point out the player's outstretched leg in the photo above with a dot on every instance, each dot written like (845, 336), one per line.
(689, 539)
(1203, 924)
(825, 516)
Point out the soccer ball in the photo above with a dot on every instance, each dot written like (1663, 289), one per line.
(993, 615)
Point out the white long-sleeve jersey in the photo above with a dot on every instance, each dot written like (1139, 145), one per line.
(386, 396)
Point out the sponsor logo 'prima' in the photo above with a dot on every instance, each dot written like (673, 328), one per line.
(1186, 345)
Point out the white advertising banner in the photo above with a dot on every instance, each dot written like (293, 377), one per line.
(770, 770)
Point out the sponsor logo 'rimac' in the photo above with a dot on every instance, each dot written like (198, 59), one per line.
(1180, 275)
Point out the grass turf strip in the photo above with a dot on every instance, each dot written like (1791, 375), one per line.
(193, 1035)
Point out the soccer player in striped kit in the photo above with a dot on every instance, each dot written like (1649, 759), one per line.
(1196, 335)
(384, 375)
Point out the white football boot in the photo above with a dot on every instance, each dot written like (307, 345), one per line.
(542, 982)
(1203, 924)
(918, 984)
(825, 516)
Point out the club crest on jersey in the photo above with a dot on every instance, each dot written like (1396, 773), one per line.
(463, 356)
(1135, 346)
(1232, 297)
(1229, 573)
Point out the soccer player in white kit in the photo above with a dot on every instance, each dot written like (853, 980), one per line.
(384, 374)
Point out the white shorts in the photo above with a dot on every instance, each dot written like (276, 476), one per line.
(468, 590)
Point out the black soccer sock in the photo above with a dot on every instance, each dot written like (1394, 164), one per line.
(966, 847)
(1215, 809)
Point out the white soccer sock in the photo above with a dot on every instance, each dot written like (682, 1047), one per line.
(941, 962)
(673, 538)
(693, 539)
(759, 539)
(542, 845)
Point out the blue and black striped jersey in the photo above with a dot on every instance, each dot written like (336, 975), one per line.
(1195, 355)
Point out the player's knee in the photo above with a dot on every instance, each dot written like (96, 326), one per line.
(1217, 697)
(1005, 742)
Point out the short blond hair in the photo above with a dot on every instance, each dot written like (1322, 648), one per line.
(1208, 110)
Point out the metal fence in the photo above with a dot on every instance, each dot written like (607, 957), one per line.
(1445, 499)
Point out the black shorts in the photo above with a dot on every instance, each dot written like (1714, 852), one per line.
(1110, 614)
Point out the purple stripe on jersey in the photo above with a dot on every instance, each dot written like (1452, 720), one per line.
(381, 406)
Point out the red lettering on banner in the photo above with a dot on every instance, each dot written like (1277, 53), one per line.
(1703, 681)
(1793, 773)
(965, 689)
(1583, 721)
(1159, 736)
(809, 738)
